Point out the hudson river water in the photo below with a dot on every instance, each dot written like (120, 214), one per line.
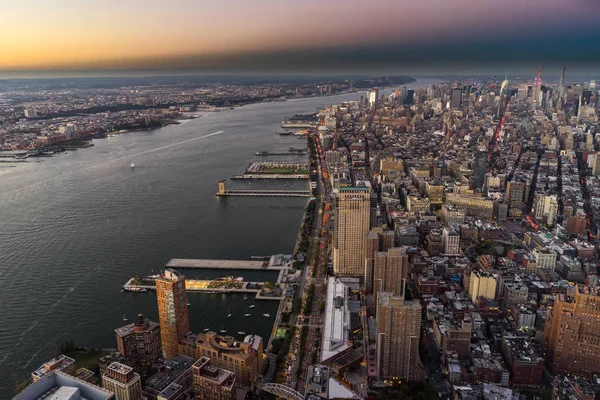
(75, 227)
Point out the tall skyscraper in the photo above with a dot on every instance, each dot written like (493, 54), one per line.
(373, 97)
(377, 240)
(572, 333)
(479, 169)
(140, 343)
(514, 198)
(398, 333)
(537, 89)
(123, 382)
(561, 86)
(352, 222)
(172, 311)
(456, 100)
(390, 268)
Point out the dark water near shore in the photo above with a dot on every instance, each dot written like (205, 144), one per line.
(75, 227)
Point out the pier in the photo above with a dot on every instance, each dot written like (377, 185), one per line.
(260, 193)
(277, 263)
(270, 176)
(280, 153)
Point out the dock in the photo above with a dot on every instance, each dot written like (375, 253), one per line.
(216, 264)
(279, 153)
(265, 193)
(222, 192)
(270, 176)
(197, 285)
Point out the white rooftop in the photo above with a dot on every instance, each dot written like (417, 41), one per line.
(339, 391)
(337, 320)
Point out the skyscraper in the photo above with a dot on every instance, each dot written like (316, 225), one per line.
(514, 198)
(479, 169)
(537, 89)
(352, 221)
(390, 268)
(377, 240)
(561, 86)
(140, 343)
(123, 382)
(172, 310)
(373, 97)
(456, 100)
(398, 333)
(572, 333)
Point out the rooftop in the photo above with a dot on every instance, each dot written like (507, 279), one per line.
(337, 320)
(63, 386)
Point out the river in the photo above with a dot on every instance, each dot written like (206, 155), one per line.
(76, 226)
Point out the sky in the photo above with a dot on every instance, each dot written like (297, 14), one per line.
(399, 36)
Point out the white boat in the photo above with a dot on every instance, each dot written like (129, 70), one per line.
(245, 297)
(267, 315)
(132, 165)
(206, 329)
(124, 318)
(247, 313)
(252, 306)
(241, 333)
(135, 289)
(223, 330)
(230, 314)
(189, 304)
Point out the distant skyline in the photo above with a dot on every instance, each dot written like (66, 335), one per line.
(334, 36)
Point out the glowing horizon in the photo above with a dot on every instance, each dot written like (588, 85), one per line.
(69, 34)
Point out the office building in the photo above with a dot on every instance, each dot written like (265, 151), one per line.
(377, 240)
(543, 258)
(477, 207)
(212, 383)
(172, 311)
(390, 268)
(243, 358)
(514, 198)
(123, 382)
(390, 165)
(524, 362)
(456, 100)
(577, 224)
(418, 205)
(60, 363)
(451, 215)
(352, 222)
(373, 97)
(537, 89)
(482, 284)
(372, 247)
(58, 385)
(450, 242)
(479, 169)
(140, 343)
(572, 333)
(398, 332)
(545, 208)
